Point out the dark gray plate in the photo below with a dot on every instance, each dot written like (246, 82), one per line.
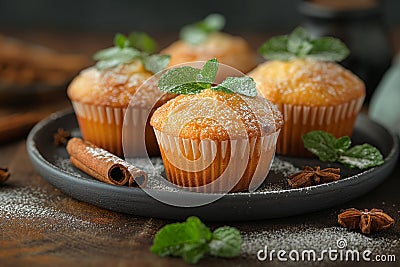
(273, 199)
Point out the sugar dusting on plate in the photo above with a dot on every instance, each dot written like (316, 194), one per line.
(157, 180)
(284, 167)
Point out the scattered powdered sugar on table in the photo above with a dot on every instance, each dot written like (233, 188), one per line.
(305, 237)
(21, 203)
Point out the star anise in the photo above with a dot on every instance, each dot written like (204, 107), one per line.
(310, 176)
(4, 174)
(366, 221)
(61, 137)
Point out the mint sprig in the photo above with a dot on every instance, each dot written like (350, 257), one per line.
(299, 44)
(155, 63)
(126, 49)
(196, 33)
(192, 240)
(189, 80)
(225, 242)
(328, 148)
(142, 41)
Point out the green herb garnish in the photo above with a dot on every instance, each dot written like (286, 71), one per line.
(196, 33)
(192, 240)
(328, 148)
(299, 44)
(188, 80)
(136, 46)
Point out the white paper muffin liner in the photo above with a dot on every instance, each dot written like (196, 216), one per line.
(300, 119)
(103, 126)
(217, 166)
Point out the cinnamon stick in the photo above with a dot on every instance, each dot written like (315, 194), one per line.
(17, 125)
(104, 166)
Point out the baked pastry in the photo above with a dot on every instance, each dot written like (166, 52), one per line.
(231, 50)
(312, 94)
(102, 96)
(216, 140)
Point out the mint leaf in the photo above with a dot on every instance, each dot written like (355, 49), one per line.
(362, 157)
(142, 41)
(192, 240)
(116, 53)
(188, 240)
(198, 32)
(114, 56)
(328, 49)
(208, 72)
(328, 148)
(107, 64)
(342, 144)
(192, 253)
(179, 81)
(137, 46)
(300, 45)
(298, 42)
(212, 23)
(193, 35)
(276, 49)
(120, 40)
(321, 144)
(190, 88)
(241, 85)
(188, 80)
(226, 242)
(156, 63)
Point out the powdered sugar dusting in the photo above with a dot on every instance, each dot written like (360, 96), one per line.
(157, 181)
(284, 167)
(22, 203)
(304, 236)
(217, 115)
(116, 86)
(156, 172)
(103, 154)
(307, 82)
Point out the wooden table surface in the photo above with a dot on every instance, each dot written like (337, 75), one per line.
(39, 225)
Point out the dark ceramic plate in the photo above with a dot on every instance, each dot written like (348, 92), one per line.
(273, 199)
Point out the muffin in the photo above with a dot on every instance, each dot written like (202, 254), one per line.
(231, 50)
(216, 141)
(100, 99)
(312, 95)
(202, 41)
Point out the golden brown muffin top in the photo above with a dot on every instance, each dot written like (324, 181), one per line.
(230, 50)
(218, 116)
(307, 82)
(115, 87)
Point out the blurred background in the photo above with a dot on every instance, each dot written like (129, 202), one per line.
(369, 27)
(73, 30)
(163, 16)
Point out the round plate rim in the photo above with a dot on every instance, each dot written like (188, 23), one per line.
(40, 162)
